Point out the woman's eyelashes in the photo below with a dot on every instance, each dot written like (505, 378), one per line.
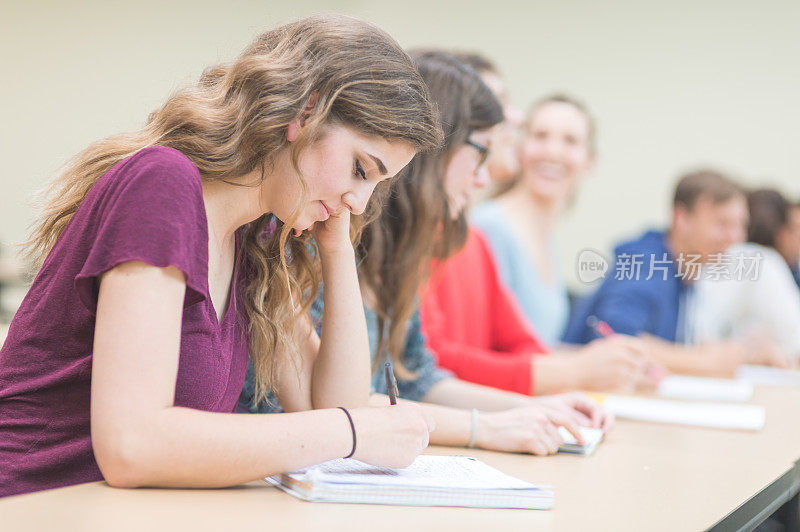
(360, 171)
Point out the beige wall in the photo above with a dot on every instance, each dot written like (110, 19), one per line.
(673, 84)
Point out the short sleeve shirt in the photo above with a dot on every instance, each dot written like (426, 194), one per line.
(149, 207)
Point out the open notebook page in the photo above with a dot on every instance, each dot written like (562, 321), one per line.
(426, 471)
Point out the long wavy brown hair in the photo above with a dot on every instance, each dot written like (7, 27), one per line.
(415, 225)
(234, 121)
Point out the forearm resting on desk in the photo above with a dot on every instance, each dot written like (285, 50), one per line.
(527, 429)
(616, 363)
(715, 360)
(573, 408)
(180, 447)
(467, 395)
(555, 373)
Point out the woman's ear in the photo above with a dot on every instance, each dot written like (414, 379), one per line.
(294, 127)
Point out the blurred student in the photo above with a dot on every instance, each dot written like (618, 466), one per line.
(558, 151)
(503, 162)
(422, 219)
(160, 273)
(519, 223)
(751, 295)
(477, 329)
(651, 289)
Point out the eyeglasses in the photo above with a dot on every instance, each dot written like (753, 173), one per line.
(482, 150)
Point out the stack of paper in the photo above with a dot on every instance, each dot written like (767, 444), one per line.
(704, 389)
(429, 481)
(769, 375)
(591, 437)
(715, 415)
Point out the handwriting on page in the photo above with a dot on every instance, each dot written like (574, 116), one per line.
(441, 471)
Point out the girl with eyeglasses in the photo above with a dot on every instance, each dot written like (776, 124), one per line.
(509, 263)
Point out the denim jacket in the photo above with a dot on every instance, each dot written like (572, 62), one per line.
(416, 358)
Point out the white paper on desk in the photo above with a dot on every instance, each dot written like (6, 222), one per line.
(426, 471)
(704, 389)
(715, 415)
(769, 375)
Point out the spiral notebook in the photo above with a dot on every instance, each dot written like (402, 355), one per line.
(429, 481)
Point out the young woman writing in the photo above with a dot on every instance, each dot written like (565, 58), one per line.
(160, 272)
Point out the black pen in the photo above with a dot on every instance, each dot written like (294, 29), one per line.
(391, 382)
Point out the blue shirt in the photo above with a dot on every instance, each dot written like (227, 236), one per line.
(545, 305)
(416, 358)
(642, 293)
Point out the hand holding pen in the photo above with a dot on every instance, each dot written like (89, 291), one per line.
(654, 371)
(391, 437)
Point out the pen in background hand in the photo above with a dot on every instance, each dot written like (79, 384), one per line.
(391, 382)
(604, 330)
(599, 326)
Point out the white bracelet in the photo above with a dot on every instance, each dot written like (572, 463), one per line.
(474, 431)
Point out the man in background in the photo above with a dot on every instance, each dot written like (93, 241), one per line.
(650, 291)
(787, 240)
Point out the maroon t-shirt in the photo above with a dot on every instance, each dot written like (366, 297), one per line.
(149, 207)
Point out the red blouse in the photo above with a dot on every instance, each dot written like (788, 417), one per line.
(474, 326)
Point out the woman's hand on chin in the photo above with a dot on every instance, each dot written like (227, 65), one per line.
(333, 234)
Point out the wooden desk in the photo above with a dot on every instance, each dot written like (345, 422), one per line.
(644, 477)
